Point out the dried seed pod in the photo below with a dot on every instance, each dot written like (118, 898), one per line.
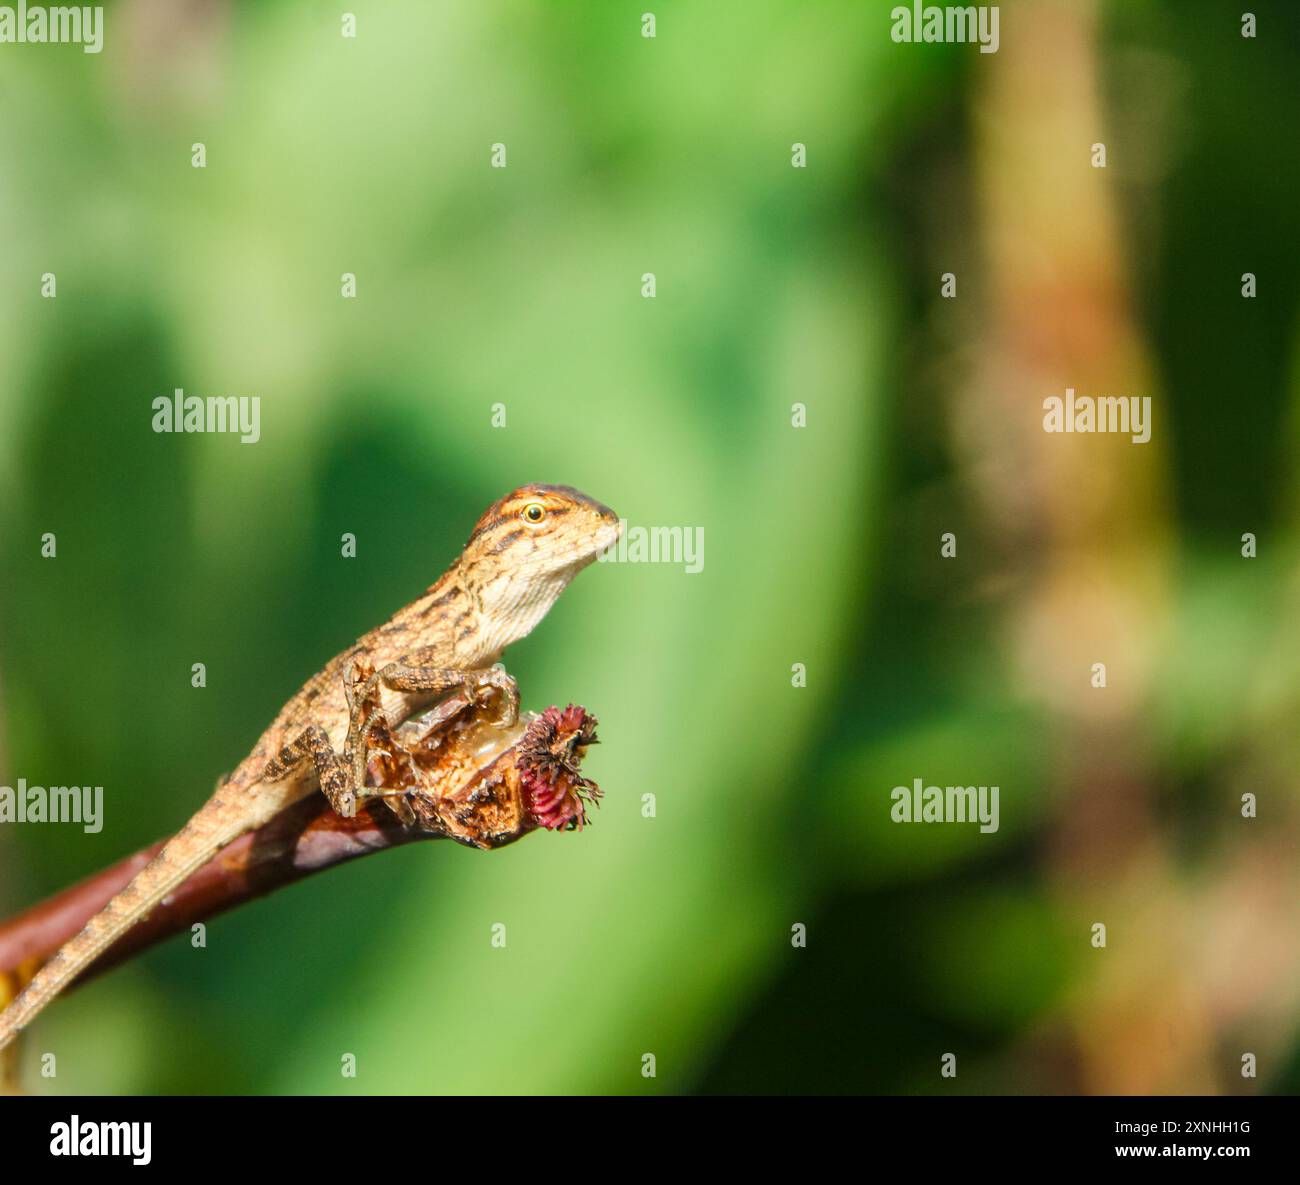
(460, 775)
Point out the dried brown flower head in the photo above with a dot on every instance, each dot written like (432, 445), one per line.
(549, 756)
(457, 772)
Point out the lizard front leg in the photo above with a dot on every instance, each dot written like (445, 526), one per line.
(409, 675)
(336, 783)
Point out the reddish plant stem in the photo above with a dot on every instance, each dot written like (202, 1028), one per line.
(307, 838)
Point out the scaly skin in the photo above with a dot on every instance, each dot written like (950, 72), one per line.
(521, 555)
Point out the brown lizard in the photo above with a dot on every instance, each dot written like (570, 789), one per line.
(520, 556)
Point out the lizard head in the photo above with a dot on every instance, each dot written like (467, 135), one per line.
(527, 547)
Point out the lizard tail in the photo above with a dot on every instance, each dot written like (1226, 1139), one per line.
(216, 824)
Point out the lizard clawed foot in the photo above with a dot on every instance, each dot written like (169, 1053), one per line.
(450, 690)
(498, 679)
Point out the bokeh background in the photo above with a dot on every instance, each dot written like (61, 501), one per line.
(672, 935)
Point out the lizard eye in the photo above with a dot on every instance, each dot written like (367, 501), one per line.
(534, 513)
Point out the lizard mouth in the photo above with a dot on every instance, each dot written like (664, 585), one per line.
(608, 535)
